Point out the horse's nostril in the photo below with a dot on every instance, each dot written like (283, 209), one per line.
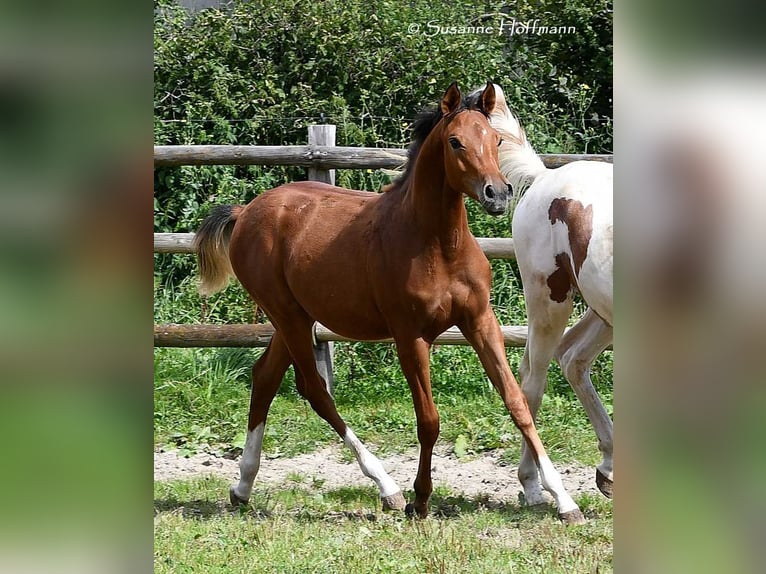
(489, 192)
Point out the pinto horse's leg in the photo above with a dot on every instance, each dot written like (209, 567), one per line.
(268, 371)
(415, 363)
(313, 388)
(486, 338)
(576, 353)
(547, 321)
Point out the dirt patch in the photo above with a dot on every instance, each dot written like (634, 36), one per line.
(471, 476)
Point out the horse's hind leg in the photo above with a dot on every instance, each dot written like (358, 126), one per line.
(547, 320)
(576, 353)
(268, 371)
(313, 387)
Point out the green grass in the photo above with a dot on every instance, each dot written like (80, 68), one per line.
(201, 402)
(202, 398)
(295, 529)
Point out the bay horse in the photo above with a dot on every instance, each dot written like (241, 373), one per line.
(562, 233)
(400, 264)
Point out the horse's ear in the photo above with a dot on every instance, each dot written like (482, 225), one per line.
(451, 99)
(487, 99)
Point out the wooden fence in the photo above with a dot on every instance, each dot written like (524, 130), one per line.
(321, 157)
(318, 156)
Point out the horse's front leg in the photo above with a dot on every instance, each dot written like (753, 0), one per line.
(484, 334)
(414, 359)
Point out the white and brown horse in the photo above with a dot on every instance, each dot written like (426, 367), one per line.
(562, 232)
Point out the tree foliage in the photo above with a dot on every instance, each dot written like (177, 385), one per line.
(259, 72)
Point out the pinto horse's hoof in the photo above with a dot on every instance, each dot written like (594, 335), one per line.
(604, 484)
(394, 502)
(235, 500)
(572, 517)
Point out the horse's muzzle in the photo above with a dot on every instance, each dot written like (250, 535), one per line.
(495, 199)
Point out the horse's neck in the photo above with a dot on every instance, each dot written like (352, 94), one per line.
(437, 211)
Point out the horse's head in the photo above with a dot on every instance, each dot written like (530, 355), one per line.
(519, 162)
(470, 150)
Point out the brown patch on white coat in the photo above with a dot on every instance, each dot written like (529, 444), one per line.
(579, 222)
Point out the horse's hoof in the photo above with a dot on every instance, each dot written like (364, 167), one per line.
(411, 512)
(604, 484)
(572, 517)
(235, 500)
(393, 502)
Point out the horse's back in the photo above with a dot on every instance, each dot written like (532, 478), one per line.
(294, 198)
(301, 211)
(302, 221)
(309, 241)
(569, 210)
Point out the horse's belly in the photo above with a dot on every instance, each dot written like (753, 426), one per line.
(356, 331)
(351, 313)
(326, 274)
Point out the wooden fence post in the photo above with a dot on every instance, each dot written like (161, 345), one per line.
(323, 135)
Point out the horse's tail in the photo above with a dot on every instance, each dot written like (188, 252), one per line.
(518, 161)
(211, 243)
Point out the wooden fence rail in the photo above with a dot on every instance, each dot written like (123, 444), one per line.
(322, 157)
(259, 335)
(493, 247)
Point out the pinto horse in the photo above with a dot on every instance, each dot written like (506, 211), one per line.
(562, 233)
(400, 264)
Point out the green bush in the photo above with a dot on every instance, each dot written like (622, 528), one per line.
(260, 72)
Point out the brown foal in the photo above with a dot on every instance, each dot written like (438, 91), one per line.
(400, 264)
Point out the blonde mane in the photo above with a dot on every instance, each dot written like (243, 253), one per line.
(519, 162)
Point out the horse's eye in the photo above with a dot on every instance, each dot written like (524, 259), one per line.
(500, 141)
(455, 143)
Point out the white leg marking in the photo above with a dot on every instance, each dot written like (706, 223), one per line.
(552, 483)
(529, 477)
(250, 462)
(370, 465)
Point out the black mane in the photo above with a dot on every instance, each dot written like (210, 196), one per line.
(472, 99)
